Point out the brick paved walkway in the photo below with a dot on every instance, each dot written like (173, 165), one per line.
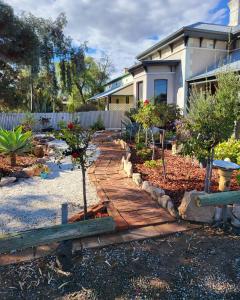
(130, 206)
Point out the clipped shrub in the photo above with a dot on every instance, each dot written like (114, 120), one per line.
(98, 125)
(152, 164)
(229, 149)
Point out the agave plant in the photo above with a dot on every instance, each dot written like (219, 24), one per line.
(15, 142)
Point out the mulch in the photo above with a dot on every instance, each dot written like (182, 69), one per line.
(22, 162)
(182, 175)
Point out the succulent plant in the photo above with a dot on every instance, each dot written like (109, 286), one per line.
(15, 142)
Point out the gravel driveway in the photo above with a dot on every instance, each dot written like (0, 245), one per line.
(36, 202)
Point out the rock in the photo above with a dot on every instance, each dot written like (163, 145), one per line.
(137, 178)
(235, 222)
(129, 169)
(30, 171)
(38, 151)
(20, 174)
(128, 156)
(5, 181)
(152, 190)
(188, 209)
(163, 201)
(236, 211)
(166, 202)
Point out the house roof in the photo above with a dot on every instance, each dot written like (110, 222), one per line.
(230, 63)
(117, 78)
(145, 63)
(200, 29)
(110, 92)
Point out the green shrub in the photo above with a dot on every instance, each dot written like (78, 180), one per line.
(98, 125)
(229, 149)
(14, 142)
(145, 153)
(140, 146)
(153, 164)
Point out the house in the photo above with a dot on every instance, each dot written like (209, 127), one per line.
(168, 70)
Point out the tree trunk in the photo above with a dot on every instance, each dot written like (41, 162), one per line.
(84, 189)
(153, 145)
(12, 159)
(237, 130)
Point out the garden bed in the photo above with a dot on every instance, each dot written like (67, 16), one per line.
(182, 175)
(22, 162)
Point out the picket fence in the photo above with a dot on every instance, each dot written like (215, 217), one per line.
(111, 119)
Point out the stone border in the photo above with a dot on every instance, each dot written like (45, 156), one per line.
(156, 193)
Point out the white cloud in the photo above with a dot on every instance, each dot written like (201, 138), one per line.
(123, 28)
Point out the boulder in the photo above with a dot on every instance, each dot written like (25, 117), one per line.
(137, 178)
(5, 181)
(235, 219)
(155, 192)
(128, 168)
(163, 201)
(188, 209)
(166, 202)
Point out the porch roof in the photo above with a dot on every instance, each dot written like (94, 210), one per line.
(230, 63)
(110, 92)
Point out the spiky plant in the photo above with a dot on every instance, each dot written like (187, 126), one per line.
(15, 142)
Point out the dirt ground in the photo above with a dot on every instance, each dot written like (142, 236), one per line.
(183, 174)
(201, 264)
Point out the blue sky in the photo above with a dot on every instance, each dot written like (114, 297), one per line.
(124, 28)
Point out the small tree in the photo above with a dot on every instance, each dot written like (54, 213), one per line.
(147, 117)
(78, 141)
(211, 119)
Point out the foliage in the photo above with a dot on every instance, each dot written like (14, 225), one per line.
(28, 122)
(168, 114)
(152, 164)
(98, 125)
(140, 146)
(15, 142)
(77, 140)
(144, 153)
(147, 116)
(211, 119)
(228, 149)
(131, 113)
(170, 135)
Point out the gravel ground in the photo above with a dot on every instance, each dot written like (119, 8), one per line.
(36, 202)
(203, 264)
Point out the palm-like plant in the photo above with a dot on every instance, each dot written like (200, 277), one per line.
(14, 142)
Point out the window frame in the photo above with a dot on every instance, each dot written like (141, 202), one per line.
(138, 84)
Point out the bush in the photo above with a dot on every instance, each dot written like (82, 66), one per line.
(152, 164)
(98, 125)
(229, 149)
(144, 153)
(140, 146)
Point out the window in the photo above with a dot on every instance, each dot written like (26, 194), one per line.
(139, 90)
(160, 90)
(117, 101)
(127, 99)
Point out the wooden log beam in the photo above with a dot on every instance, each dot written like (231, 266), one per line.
(58, 233)
(223, 198)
